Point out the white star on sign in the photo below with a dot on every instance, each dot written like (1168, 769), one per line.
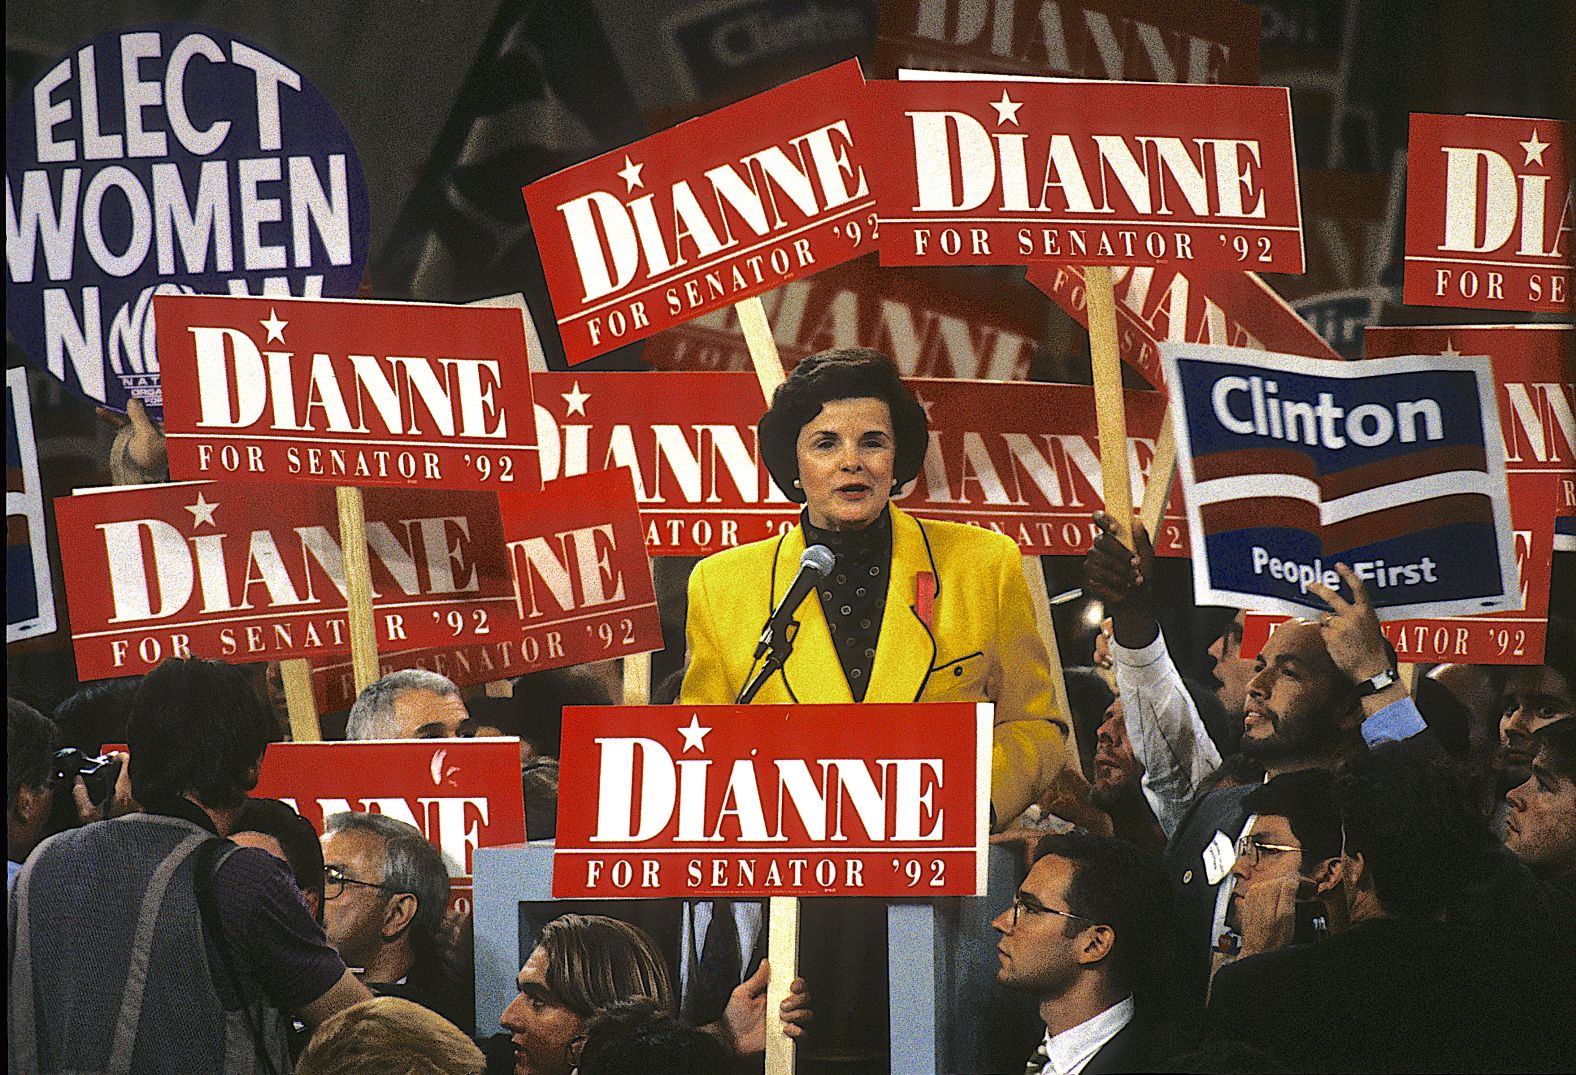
(202, 512)
(1450, 349)
(694, 735)
(275, 327)
(1006, 109)
(630, 174)
(1534, 148)
(576, 400)
(926, 404)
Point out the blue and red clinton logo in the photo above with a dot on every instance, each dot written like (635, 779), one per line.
(1391, 466)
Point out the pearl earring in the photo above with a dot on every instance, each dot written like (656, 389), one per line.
(797, 484)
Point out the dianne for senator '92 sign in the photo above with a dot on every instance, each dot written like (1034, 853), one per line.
(172, 160)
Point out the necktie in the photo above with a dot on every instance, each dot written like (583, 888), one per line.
(716, 977)
(1038, 1061)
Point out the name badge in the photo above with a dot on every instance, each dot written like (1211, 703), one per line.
(1219, 857)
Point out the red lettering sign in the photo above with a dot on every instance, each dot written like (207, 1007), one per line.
(580, 570)
(461, 793)
(334, 680)
(249, 573)
(1535, 395)
(933, 322)
(1182, 41)
(702, 801)
(700, 216)
(1021, 458)
(345, 392)
(1488, 213)
(1000, 172)
(1165, 305)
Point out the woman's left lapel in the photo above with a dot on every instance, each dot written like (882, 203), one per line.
(906, 649)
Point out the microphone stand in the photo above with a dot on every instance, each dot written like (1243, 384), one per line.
(777, 640)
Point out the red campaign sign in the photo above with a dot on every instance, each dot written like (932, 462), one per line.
(1535, 405)
(461, 793)
(933, 322)
(245, 573)
(581, 574)
(1165, 305)
(1488, 213)
(1123, 173)
(1181, 41)
(1537, 388)
(345, 391)
(689, 442)
(703, 801)
(334, 680)
(700, 216)
(1021, 458)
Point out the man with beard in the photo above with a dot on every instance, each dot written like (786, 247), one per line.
(1170, 740)
(1118, 785)
(1318, 693)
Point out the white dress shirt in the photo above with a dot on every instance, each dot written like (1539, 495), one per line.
(1074, 1047)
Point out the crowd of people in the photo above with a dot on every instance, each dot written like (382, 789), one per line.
(1311, 883)
(1309, 864)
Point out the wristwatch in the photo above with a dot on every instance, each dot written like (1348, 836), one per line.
(1374, 684)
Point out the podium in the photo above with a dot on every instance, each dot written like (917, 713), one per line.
(945, 1012)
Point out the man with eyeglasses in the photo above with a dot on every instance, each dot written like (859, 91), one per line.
(385, 894)
(1286, 878)
(1083, 936)
(1405, 987)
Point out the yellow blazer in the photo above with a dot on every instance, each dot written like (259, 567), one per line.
(982, 644)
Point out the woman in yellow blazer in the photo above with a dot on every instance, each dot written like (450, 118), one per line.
(913, 611)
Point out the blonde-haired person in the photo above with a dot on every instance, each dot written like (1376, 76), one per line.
(390, 1036)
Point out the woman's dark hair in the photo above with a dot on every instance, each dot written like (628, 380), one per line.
(297, 839)
(196, 726)
(845, 373)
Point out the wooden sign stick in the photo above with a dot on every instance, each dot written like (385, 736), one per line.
(358, 587)
(1110, 412)
(1162, 472)
(297, 676)
(637, 679)
(1040, 600)
(782, 931)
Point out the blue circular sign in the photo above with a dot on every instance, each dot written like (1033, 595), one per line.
(160, 160)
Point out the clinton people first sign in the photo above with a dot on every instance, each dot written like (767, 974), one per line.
(174, 160)
(1394, 467)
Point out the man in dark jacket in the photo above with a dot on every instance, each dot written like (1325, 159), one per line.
(1401, 989)
(1083, 936)
(151, 940)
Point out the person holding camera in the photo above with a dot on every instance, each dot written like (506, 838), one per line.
(149, 943)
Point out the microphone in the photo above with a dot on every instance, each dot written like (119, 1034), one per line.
(814, 565)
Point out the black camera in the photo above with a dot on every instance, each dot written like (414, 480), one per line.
(98, 773)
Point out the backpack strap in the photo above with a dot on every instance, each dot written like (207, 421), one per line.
(210, 856)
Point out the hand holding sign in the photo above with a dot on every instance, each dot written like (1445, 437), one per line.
(743, 1022)
(1121, 578)
(1351, 632)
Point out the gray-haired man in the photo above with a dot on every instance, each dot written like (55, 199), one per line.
(412, 703)
(385, 891)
